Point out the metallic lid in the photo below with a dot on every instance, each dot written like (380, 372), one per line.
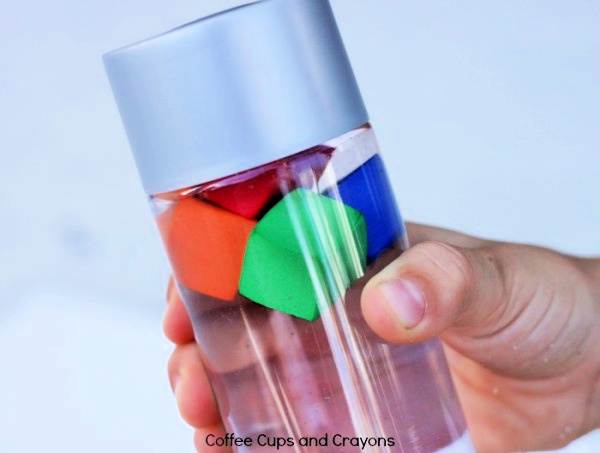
(233, 91)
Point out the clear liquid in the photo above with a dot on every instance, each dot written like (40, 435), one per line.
(276, 374)
(279, 375)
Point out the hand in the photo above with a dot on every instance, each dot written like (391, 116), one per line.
(521, 326)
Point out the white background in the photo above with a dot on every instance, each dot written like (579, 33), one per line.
(487, 113)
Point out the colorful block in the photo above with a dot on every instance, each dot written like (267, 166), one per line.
(307, 248)
(249, 193)
(246, 197)
(351, 151)
(305, 169)
(368, 190)
(206, 246)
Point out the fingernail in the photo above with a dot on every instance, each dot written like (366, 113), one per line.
(405, 300)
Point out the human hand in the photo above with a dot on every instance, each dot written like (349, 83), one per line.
(521, 326)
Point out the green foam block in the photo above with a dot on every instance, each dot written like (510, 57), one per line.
(304, 253)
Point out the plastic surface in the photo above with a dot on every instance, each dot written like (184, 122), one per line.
(233, 91)
(289, 354)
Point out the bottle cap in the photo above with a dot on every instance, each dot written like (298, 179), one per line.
(233, 91)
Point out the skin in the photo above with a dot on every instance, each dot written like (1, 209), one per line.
(520, 325)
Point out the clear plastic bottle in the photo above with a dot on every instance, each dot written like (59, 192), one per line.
(273, 230)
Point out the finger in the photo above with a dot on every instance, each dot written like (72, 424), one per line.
(192, 390)
(176, 322)
(418, 233)
(204, 439)
(431, 287)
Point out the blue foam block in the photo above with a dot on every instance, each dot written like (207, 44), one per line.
(368, 190)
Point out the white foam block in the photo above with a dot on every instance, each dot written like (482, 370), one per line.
(351, 151)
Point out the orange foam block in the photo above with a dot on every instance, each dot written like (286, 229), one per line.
(206, 246)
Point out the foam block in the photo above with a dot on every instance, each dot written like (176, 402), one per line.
(368, 190)
(206, 246)
(248, 196)
(307, 248)
(305, 169)
(351, 151)
(249, 193)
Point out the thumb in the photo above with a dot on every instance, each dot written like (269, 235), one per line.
(524, 310)
(435, 285)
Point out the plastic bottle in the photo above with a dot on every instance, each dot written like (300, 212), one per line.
(254, 146)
